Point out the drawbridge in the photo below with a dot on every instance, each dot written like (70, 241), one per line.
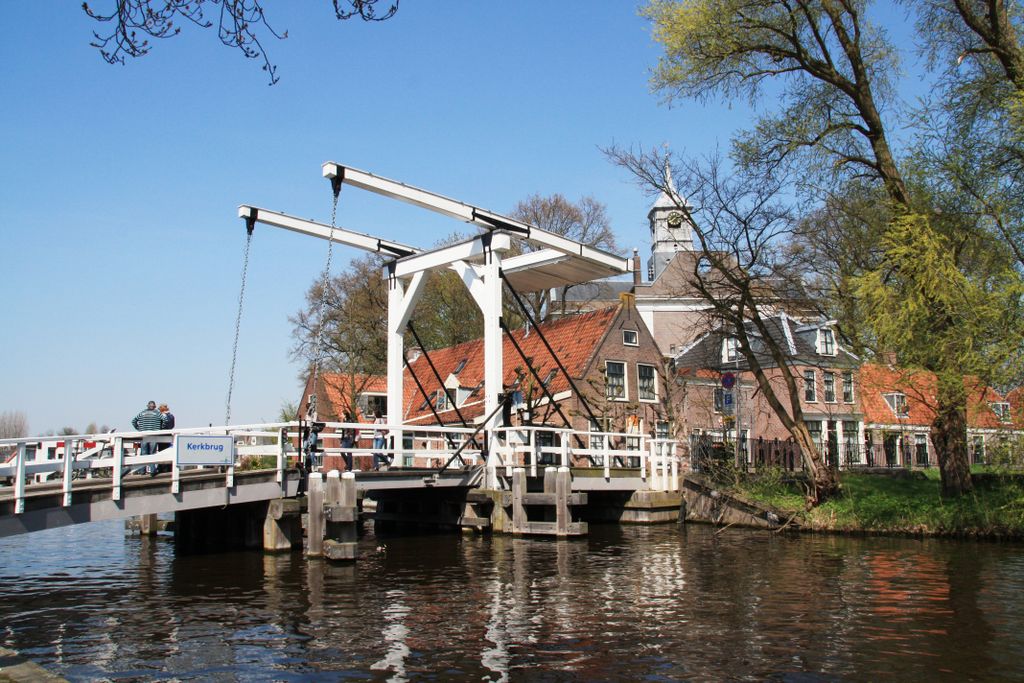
(67, 480)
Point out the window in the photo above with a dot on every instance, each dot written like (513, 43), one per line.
(615, 380)
(829, 382)
(826, 342)
(1002, 411)
(630, 338)
(647, 385)
(459, 368)
(600, 425)
(814, 427)
(442, 399)
(810, 393)
(719, 399)
(375, 402)
(847, 387)
(730, 349)
(850, 450)
(551, 376)
(921, 450)
(897, 403)
(978, 449)
(661, 429)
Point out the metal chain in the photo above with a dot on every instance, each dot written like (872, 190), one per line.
(238, 326)
(318, 344)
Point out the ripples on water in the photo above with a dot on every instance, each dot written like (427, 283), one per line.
(632, 603)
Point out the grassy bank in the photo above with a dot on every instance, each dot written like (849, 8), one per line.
(878, 503)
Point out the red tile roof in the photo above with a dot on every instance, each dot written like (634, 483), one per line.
(920, 389)
(573, 338)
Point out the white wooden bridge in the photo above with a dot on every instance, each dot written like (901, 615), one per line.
(54, 481)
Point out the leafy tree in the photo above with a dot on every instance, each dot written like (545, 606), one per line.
(833, 72)
(289, 412)
(240, 24)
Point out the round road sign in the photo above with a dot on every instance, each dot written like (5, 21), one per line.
(728, 380)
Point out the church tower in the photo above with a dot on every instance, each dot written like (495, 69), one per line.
(670, 228)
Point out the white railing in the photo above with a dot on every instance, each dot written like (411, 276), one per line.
(115, 455)
(654, 460)
(422, 446)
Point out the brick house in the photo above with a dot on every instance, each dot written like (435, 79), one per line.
(899, 412)
(615, 367)
(827, 377)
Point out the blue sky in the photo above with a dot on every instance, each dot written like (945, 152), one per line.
(120, 185)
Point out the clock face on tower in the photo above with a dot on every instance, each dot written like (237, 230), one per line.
(675, 219)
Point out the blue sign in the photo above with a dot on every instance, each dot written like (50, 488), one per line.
(204, 450)
(728, 380)
(727, 399)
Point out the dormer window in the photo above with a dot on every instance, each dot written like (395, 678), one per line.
(630, 338)
(1002, 411)
(730, 349)
(442, 399)
(826, 342)
(897, 403)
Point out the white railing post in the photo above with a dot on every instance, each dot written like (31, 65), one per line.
(674, 452)
(535, 450)
(118, 458)
(66, 487)
(643, 458)
(282, 439)
(175, 477)
(606, 458)
(19, 479)
(653, 460)
(229, 479)
(566, 435)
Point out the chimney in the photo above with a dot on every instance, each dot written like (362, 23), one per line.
(889, 358)
(636, 266)
(413, 353)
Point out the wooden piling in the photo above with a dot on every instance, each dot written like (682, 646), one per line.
(315, 519)
(563, 487)
(519, 520)
(342, 517)
(282, 528)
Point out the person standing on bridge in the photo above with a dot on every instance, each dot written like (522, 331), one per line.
(348, 438)
(168, 416)
(149, 420)
(379, 439)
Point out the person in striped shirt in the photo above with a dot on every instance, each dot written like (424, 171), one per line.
(149, 420)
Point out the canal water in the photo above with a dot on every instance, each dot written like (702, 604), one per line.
(632, 603)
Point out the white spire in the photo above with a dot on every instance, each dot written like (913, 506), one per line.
(665, 199)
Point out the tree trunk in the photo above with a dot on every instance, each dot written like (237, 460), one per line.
(824, 483)
(950, 436)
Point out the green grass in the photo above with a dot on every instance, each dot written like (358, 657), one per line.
(883, 504)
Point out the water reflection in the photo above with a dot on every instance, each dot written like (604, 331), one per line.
(624, 603)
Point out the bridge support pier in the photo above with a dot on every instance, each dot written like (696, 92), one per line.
(341, 517)
(553, 506)
(282, 526)
(217, 529)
